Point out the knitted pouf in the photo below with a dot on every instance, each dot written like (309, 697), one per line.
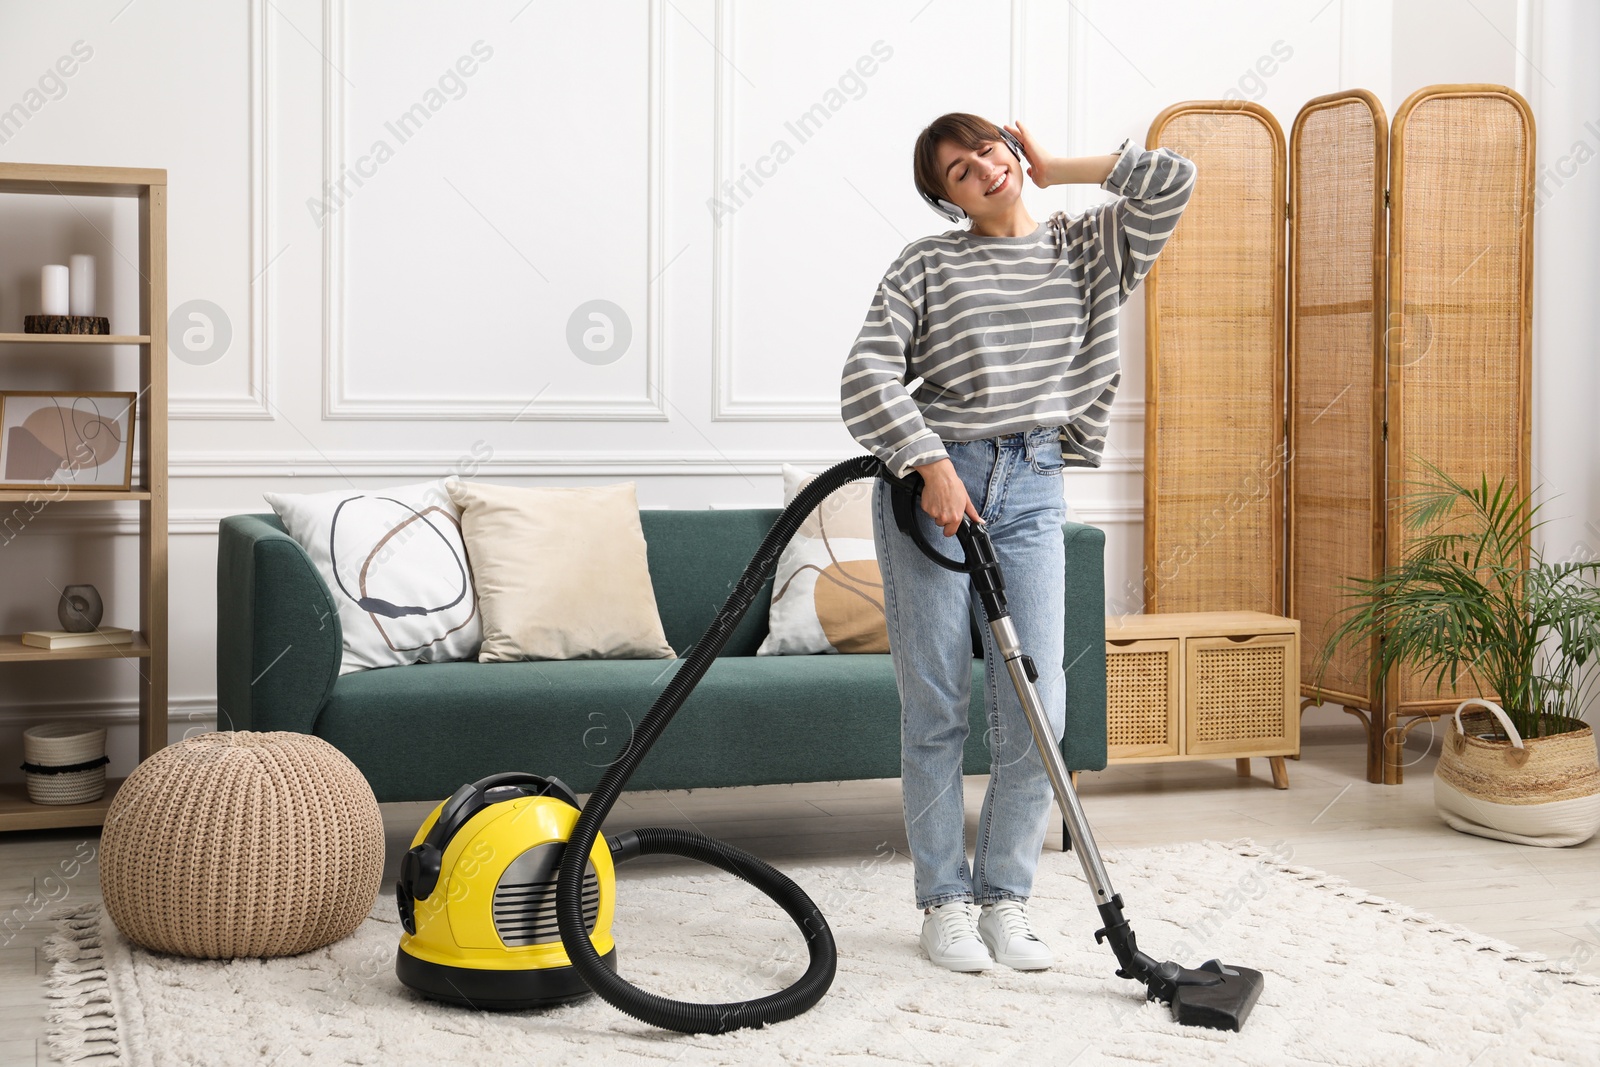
(242, 843)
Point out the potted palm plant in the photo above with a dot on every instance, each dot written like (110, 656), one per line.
(1463, 608)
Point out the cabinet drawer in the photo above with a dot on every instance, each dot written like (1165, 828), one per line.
(1242, 695)
(1143, 678)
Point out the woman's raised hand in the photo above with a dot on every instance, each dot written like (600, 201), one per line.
(1038, 161)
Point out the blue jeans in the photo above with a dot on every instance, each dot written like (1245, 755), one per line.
(1015, 483)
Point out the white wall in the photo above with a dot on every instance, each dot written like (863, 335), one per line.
(418, 325)
(1557, 73)
(1452, 41)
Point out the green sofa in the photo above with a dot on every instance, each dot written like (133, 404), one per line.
(419, 731)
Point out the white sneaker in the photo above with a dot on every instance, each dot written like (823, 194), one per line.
(1006, 933)
(950, 938)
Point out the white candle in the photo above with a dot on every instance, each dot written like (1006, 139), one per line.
(53, 289)
(81, 295)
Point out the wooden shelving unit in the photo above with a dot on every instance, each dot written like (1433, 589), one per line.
(147, 655)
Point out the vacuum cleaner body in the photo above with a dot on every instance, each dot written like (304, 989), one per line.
(483, 932)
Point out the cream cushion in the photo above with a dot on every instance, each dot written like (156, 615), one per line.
(560, 573)
(827, 592)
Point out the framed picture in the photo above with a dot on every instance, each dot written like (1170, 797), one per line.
(78, 440)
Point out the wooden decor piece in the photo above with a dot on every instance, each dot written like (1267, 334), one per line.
(69, 324)
(1215, 440)
(1460, 314)
(1338, 178)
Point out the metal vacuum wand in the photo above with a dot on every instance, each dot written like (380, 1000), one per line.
(1212, 995)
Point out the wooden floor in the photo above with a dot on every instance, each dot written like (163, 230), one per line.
(1385, 838)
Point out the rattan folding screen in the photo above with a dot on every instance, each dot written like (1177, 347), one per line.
(1214, 370)
(1339, 155)
(1396, 328)
(1460, 318)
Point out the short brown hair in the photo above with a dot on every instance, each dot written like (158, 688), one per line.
(969, 131)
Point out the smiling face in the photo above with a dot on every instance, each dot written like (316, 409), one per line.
(984, 182)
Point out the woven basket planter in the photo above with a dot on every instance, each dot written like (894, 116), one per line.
(1532, 791)
(64, 763)
(242, 843)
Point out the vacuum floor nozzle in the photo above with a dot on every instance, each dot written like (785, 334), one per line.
(1222, 1001)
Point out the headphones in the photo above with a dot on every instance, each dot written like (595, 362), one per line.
(952, 211)
(420, 867)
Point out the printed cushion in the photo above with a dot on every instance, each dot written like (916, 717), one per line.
(396, 565)
(827, 593)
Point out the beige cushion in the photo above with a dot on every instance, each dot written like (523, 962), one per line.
(560, 573)
(827, 592)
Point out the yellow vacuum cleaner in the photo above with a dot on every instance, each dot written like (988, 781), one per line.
(491, 939)
(507, 894)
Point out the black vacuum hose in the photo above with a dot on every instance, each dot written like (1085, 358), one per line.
(685, 1016)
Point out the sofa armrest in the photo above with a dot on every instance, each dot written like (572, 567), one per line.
(279, 644)
(1083, 746)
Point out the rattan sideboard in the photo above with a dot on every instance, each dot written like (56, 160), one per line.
(1197, 685)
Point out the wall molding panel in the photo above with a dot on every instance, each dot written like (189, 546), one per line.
(257, 403)
(440, 463)
(339, 402)
(185, 712)
(725, 406)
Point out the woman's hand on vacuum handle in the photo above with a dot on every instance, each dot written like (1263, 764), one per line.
(944, 495)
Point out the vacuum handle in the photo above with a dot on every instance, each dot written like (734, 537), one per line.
(978, 551)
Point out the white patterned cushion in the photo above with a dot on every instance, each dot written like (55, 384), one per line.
(396, 565)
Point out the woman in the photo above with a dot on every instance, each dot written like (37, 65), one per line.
(1011, 327)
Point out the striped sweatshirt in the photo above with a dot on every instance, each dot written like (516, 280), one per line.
(1010, 333)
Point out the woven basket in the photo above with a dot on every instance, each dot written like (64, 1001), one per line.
(50, 746)
(1533, 791)
(242, 843)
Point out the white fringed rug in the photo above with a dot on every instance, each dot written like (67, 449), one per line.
(1351, 979)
